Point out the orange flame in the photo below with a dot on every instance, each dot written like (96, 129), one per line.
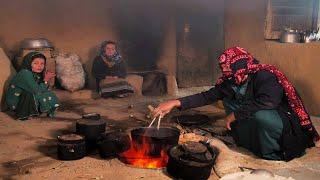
(140, 157)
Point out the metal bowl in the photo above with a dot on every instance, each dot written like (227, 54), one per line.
(36, 43)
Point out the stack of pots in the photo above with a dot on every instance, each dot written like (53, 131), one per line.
(91, 130)
(90, 135)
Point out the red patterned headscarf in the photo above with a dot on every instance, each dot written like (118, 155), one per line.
(236, 54)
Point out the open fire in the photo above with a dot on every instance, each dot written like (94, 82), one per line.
(144, 156)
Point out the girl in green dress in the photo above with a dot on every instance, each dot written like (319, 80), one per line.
(28, 94)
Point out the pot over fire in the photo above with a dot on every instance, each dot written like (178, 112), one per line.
(149, 147)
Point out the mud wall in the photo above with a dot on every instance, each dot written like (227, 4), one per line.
(244, 26)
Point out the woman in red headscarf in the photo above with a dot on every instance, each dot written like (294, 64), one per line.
(265, 114)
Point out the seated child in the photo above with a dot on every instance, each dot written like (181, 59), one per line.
(28, 94)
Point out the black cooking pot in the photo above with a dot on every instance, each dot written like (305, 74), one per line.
(91, 130)
(191, 160)
(71, 147)
(112, 143)
(158, 139)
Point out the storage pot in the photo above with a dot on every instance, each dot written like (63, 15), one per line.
(71, 147)
(191, 160)
(112, 143)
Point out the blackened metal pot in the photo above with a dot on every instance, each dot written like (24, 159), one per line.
(71, 147)
(158, 139)
(191, 160)
(110, 144)
(91, 130)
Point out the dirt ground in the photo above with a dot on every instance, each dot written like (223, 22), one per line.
(28, 148)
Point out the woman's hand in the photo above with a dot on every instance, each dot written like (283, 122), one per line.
(48, 75)
(165, 107)
(229, 119)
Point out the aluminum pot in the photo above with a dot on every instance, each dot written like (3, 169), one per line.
(36, 43)
(290, 36)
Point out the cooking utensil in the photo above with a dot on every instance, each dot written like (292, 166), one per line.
(91, 130)
(36, 43)
(159, 139)
(191, 160)
(290, 36)
(159, 121)
(71, 147)
(112, 143)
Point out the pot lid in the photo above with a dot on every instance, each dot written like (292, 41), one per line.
(192, 153)
(70, 138)
(194, 147)
(91, 122)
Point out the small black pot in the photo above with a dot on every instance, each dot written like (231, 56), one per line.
(183, 164)
(91, 130)
(113, 143)
(71, 147)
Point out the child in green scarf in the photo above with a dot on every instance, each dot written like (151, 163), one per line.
(28, 93)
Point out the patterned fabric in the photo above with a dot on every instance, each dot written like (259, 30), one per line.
(27, 94)
(110, 60)
(26, 64)
(235, 55)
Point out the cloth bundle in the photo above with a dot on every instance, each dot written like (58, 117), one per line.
(70, 72)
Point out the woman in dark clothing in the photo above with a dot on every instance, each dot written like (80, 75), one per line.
(264, 111)
(108, 64)
(28, 93)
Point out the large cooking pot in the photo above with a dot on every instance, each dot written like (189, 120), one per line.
(158, 139)
(192, 160)
(36, 43)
